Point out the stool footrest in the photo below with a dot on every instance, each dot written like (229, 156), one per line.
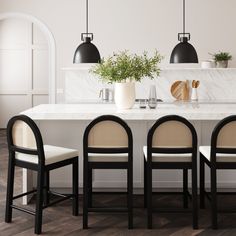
(108, 209)
(208, 195)
(60, 194)
(63, 198)
(23, 209)
(227, 210)
(173, 193)
(169, 210)
(24, 194)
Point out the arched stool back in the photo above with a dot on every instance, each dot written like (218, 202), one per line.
(23, 136)
(172, 134)
(223, 139)
(108, 134)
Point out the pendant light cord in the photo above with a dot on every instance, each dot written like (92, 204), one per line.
(87, 16)
(184, 16)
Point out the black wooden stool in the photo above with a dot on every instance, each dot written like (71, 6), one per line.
(171, 144)
(221, 155)
(108, 144)
(32, 154)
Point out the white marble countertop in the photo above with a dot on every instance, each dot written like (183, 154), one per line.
(190, 110)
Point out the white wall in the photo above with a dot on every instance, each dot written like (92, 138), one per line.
(136, 25)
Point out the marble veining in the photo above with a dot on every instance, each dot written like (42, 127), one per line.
(215, 84)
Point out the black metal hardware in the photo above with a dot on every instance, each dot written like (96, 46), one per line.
(87, 37)
(184, 37)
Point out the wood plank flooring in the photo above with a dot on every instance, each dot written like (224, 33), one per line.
(59, 221)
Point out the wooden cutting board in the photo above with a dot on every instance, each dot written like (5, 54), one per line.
(180, 90)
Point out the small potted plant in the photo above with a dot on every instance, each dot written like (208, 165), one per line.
(221, 59)
(124, 69)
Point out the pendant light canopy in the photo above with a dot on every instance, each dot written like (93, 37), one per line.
(87, 52)
(184, 52)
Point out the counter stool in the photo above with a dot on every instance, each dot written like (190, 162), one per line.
(171, 144)
(220, 155)
(108, 144)
(26, 150)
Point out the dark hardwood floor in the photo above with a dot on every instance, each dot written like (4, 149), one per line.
(59, 221)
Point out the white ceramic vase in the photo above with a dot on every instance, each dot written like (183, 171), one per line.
(124, 95)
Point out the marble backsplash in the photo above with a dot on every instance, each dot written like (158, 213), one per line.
(215, 84)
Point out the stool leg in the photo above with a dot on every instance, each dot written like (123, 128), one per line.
(194, 194)
(90, 183)
(39, 202)
(185, 188)
(145, 182)
(75, 169)
(10, 190)
(202, 182)
(46, 188)
(130, 195)
(149, 195)
(85, 196)
(213, 198)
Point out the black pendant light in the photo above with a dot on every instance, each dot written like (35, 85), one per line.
(87, 52)
(184, 52)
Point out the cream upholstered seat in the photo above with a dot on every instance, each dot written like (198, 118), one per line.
(220, 157)
(170, 157)
(104, 157)
(53, 154)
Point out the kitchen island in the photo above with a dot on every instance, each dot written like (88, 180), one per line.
(64, 125)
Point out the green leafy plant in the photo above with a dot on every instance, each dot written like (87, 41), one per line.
(123, 67)
(221, 56)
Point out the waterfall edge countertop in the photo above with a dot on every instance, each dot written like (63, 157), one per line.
(88, 111)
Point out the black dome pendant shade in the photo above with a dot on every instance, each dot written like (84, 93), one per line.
(86, 52)
(184, 52)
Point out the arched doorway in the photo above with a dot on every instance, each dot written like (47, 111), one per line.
(25, 42)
